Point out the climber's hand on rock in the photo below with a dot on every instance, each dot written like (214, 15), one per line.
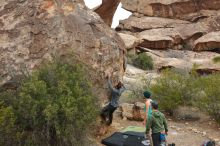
(108, 75)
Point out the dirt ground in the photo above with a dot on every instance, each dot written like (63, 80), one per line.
(181, 133)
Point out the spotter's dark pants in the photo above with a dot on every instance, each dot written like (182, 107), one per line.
(156, 139)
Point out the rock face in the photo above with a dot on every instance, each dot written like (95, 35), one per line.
(138, 24)
(130, 41)
(133, 112)
(165, 33)
(159, 38)
(172, 24)
(107, 10)
(170, 8)
(208, 42)
(184, 60)
(32, 31)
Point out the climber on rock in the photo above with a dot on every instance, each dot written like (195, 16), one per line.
(107, 111)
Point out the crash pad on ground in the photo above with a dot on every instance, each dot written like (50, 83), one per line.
(130, 136)
(134, 129)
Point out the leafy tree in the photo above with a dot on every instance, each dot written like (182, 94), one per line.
(7, 119)
(209, 99)
(173, 89)
(54, 106)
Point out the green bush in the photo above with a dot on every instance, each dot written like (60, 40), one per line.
(216, 59)
(209, 99)
(130, 58)
(173, 89)
(7, 119)
(142, 61)
(54, 106)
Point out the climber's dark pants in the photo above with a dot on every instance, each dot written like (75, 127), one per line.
(107, 114)
(156, 139)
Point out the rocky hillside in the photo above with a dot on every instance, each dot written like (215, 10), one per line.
(32, 31)
(172, 24)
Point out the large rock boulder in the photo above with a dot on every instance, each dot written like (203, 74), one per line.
(184, 60)
(134, 112)
(138, 24)
(171, 24)
(208, 42)
(32, 31)
(161, 38)
(170, 8)
(127, 110)
(165, 33)
(129, 40)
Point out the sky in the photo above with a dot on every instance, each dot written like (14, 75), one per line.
(120, 13)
